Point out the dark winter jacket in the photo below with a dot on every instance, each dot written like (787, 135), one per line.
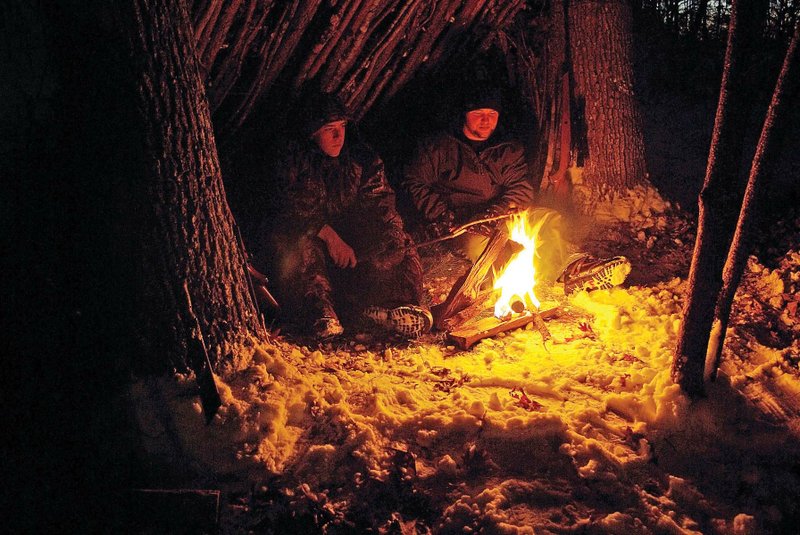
(350, 193)
(447, 173)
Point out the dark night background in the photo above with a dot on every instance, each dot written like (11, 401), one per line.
(64, 292)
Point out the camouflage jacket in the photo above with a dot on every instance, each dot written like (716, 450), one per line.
(447, 173)
(350, 193)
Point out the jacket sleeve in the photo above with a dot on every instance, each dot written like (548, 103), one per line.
(299, 199)
(420, 176)
(377, 199)
(516, 184)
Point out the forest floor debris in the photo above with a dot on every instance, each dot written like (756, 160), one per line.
(589, 436)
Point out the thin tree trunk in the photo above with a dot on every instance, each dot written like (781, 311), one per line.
(350, 45)
(699, 28)
(419, 51)
(722, 191)
(367, 78)
(225, 74)
(341, 49)
(327, 40)
(461, 26)
(210, 41)
(768, 143)
(550, 114)
(274, 54)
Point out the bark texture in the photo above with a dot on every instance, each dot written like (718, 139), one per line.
(785, 94)
(721, 193)
(600, 45)
(549, 106)
(188, 238)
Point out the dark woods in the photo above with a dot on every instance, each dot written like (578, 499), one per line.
(72, 208)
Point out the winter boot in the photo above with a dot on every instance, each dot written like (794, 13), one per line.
(586, 273)
(408, 320)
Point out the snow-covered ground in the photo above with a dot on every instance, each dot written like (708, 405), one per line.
(584, 433)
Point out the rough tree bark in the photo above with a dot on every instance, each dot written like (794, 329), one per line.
(771, 137)
(721, 193)
(600, 45)
(188, 239)
(128, 167)
(363, 50)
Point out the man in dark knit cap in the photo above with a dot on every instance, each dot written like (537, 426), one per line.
(465, 173)
(338, 251)
(469, 172)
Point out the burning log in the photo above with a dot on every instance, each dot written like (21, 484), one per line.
(466, 289)
(472, 332)
(477, 309)
(516, 304)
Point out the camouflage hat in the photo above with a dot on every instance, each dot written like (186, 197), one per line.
(321, 109)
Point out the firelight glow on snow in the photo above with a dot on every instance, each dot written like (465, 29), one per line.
(606, 442)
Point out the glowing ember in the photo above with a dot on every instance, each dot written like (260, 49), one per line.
(516, 282)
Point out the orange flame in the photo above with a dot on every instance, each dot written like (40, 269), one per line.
(518, 278)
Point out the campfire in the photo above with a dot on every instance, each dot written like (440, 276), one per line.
(517, 280)
(516, 304)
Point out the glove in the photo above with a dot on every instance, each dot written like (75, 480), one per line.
(483, 229)
(488, 228)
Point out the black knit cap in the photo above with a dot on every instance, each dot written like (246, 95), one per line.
(321, 109)
(482, 96)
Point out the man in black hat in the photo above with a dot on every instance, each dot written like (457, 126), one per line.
(338, 249)
(469, 172)
(461, 173)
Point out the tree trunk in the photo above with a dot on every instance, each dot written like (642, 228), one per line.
(118, 162)
(188, 238)
(722, 192)
(600, 45)
(768, 144)
(699, 28)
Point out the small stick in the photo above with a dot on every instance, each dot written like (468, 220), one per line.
(458, 231)
(538, 322)
(472, 332)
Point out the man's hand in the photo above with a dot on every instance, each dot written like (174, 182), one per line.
(342, 254)
(488, 228)
(441, 226)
